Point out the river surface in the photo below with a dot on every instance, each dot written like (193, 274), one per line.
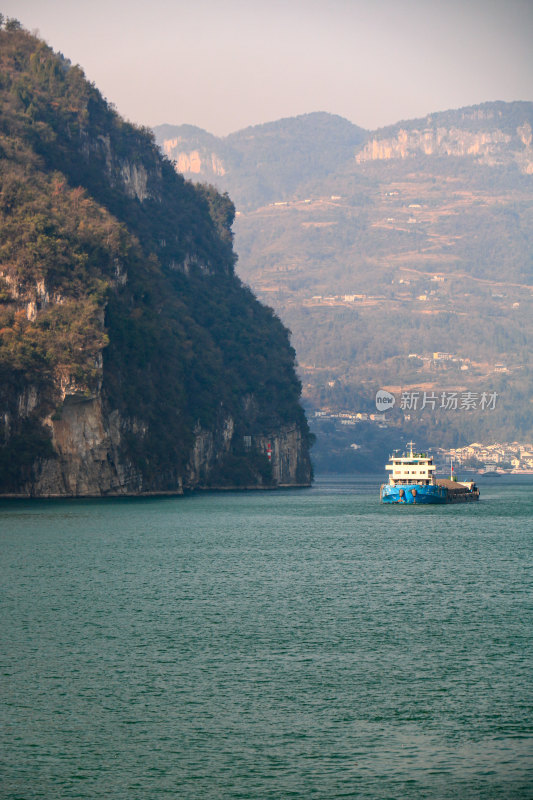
(267, 646)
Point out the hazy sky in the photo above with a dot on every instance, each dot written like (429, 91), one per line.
(226, 64)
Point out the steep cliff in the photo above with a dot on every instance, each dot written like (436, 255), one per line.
(132, 359)
(195, 152)
(493, 134)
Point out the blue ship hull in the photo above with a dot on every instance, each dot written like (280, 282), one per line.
(414, 494)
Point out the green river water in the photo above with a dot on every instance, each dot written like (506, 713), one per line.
(293, 644)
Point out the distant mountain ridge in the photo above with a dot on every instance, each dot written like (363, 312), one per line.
(272, 161)
(376, 245)
(508, 116)
(262, 163)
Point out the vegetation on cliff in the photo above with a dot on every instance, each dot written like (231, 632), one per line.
(117, 281)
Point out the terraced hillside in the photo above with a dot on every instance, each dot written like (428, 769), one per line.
(420, 242)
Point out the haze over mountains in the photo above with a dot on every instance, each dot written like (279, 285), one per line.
(269, 162)
(264, 163)
(377, 246)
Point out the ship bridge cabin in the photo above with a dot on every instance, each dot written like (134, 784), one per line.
(411, 468)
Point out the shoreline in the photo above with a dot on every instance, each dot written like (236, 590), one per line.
(155, 494)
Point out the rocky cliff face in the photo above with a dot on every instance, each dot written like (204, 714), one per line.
(429, 142)
(132, 360)
(483, 134)
(87, 458)
(195, 162)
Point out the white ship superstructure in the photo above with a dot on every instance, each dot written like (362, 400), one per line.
(411, 468)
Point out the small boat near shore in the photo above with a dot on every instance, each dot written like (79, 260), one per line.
(412, 481)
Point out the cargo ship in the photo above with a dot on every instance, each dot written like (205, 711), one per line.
(412, 480)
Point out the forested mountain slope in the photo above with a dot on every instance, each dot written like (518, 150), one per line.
(132, 359)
